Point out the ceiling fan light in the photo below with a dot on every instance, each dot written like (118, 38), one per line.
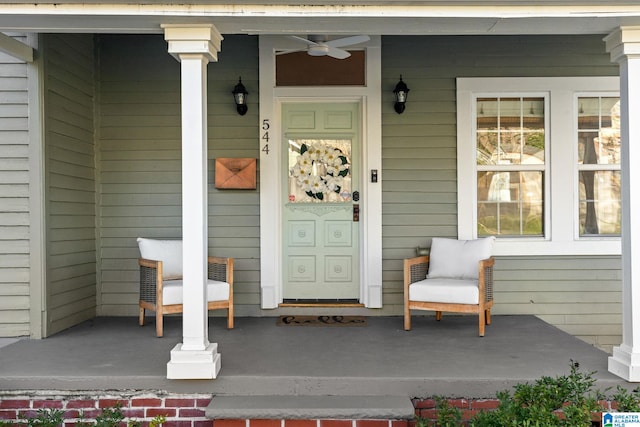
(319, 50)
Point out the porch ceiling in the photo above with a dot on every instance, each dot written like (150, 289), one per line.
(374, 17)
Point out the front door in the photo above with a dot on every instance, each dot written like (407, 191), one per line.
(321, 210)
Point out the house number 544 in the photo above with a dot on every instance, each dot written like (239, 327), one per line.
(265, 135)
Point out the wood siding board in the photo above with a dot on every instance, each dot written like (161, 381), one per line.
(13, 233)
(64, 235)
(13, 123)
(10, 137)
(14, 204)
(13, 110)
(13, 98)
(72, 130)
(72, 182)
(14, 177)
(11, 84)
(13, 219)
(141, 177)
(14, 151)
(17, 70)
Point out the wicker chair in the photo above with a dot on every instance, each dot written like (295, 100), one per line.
(448, 290)
(163, 293)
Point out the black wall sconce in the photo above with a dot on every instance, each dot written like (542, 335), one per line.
(401, 91)
(240, 97)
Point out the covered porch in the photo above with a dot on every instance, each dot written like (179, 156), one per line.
(445, 358)
(108, 353)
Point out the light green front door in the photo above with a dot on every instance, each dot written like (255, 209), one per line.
(321, 230)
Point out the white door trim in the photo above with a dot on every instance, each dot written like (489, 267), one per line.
(271, 98)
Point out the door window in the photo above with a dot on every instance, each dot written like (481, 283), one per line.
(319, 170)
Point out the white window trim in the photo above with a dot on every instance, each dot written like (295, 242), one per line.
(560, 209)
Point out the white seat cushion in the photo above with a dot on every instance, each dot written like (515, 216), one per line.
(454, 291)
(167, 251)
(457, 259)
(172, 291)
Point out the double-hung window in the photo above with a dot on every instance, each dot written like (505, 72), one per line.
(539, 164)
(599, 165)
(510, 139)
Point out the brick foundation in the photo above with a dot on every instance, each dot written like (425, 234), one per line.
(189, 410)
(179, 410)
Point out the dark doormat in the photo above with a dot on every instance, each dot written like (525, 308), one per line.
(322, 321)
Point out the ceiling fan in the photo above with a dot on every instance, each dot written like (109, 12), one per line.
(320, 46)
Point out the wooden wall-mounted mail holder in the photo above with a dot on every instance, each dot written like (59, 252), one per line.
(237, 174)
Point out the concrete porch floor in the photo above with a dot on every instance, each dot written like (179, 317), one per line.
(444, 358)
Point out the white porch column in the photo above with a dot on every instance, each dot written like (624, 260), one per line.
(194, 46)
(624, 47)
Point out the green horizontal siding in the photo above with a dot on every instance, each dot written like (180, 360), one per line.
(70, 180)
(15, 301)
(578, 294)
(140, 162)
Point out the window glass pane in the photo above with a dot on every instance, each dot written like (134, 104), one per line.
(534, 147)
(587, 142)
(598, 131)
(510, 203)
(487, 151)
(487, 113)
(533, 114)
(510, 131)
(510, 147)
(510, 113)
(600, 204)
(319, 170)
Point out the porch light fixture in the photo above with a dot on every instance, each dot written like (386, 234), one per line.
(401, 91)
(240, 97)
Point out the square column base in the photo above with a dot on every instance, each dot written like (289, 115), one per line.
(194, 364)
(625, 364)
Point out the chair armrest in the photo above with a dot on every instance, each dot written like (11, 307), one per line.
(149, 263)
(150, 280)
(415, 269)
(220, 269)
(485, 278)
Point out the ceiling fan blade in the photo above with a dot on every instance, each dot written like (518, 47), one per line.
(338, 53)
(303, 40)
(347, 41)
(284, 52)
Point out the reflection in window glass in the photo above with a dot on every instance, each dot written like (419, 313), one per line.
(599, 166)
(510, 154)
(510, 203)
(319, 170)
(600, 207)
(510, 130)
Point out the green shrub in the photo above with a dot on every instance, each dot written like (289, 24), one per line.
(566, 401)
(562, 401)
(447, 415)
(626, 400)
